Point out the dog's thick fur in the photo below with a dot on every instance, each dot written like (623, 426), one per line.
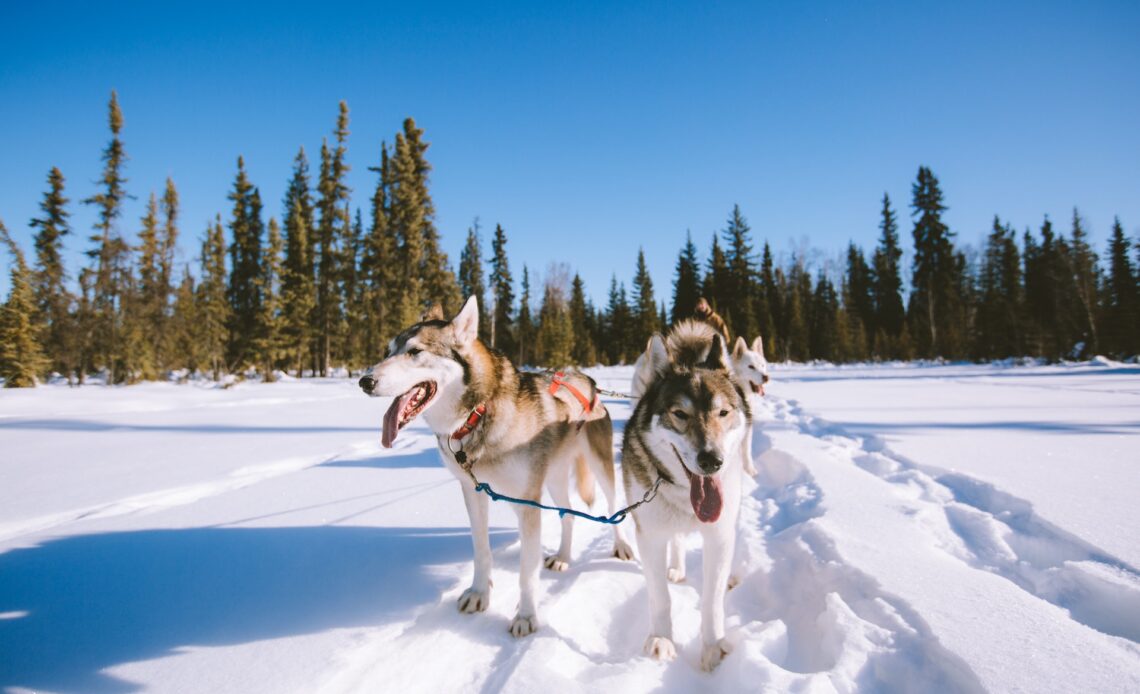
(688, 429)
(528, 439)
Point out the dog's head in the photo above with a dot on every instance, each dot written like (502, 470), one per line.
(423, 361)
(699, 413)
(749, 364)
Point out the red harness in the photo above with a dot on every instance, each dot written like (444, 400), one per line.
(472, 422)
(557, 382)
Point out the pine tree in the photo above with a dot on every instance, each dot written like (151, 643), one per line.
(408, 222)
(164, 285)
(890, 316)
(823, 327)
(1122, 298)
(109, 254)
(243, 291)
(332, 195)
(555, 331)
(584, 353)
(471, 277)
(644, 305)
(148, 303)
(739, 294)
(936, 308)
(859, 301)
(687, 284)
(717, 284)
(379, 267)
(502, 291)
(21, 355)
(616, 325)
(350, 329)
(297, 283)
(771, 309)
(797, 287)
(52, 297)
(1000, 307)
(1082, 267)
(270, 345)
(525, 328)
(213, 308)
(439, 281)
(183, 331)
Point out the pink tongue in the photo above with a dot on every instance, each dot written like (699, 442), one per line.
(392, 419)
(704, 494)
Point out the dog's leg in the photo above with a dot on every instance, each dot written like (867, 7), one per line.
(478, 596)
(676, 573)
(654, 547)
(530, 552)
(746, 453)
(719, 543)
(558, 484)
(600, 457)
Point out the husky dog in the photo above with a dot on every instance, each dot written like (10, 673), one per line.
(687, 430)
(688, 343)
(518, 432)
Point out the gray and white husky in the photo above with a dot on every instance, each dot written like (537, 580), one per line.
(689, 341)
(688, 430)
(519, 432)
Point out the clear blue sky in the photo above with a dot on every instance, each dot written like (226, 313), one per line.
(590, 129)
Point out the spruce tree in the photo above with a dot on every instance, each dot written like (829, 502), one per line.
(823, 328)
(148, 301)
(1081, 262)
(739, 294)
(717, 285)
(502, 292)
(584, 353)
(890, 316)
(616, 325)
(687, 283)
(555, 332)
(297, 283)
(109, 254)
(183, 330)
(859, 301)
(644, 307)
(999, 313)
(471, 277)
(332, 195)
(52, 297)
(350, 329)
(408, 222)
(379, 268)
(439, 281)
(21, 355)
(270, 322)
(244, 291)
(936, 307)
(213, 308)
(525, 328)
(771, 310)
(1122, 299)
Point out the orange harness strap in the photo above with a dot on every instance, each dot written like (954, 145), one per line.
(471, 423)
(557, 382)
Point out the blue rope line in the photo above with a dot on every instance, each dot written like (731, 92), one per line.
(618, 516)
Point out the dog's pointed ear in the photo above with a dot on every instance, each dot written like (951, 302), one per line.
(758, 345)
(466, 324)
(739, 348)
(658, 355)
(718, 356)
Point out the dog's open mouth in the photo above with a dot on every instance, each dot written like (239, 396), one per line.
(705, 496)
(757, 388)
(405, 408)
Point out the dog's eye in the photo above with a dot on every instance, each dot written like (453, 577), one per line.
(680, 414)
(752, 367)
(724, 413)
(413, 351)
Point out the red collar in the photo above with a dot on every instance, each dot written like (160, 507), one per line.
(472, 422)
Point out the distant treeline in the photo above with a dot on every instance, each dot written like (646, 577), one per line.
(328, 288)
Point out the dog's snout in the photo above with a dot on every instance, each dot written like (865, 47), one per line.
(367, 383)
(765, 378)
(709, 461)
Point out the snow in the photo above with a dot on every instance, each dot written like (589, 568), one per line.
(912, 528)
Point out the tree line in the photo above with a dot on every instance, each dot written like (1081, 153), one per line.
(324, 288)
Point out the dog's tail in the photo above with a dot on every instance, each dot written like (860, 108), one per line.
(585, 478)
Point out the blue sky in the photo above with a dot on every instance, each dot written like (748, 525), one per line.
(591, 129)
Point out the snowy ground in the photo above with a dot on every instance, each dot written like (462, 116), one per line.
(951, 528)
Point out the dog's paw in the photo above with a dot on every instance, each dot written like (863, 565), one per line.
(660, 648)
(473, 601)
(523, 626)
(554, 563)
(733, 581)
(713, 653)
(675, 575)
(622, 550)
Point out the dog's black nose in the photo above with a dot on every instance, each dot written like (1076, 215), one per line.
(367, 383)
(708, 461)
(765, 378)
